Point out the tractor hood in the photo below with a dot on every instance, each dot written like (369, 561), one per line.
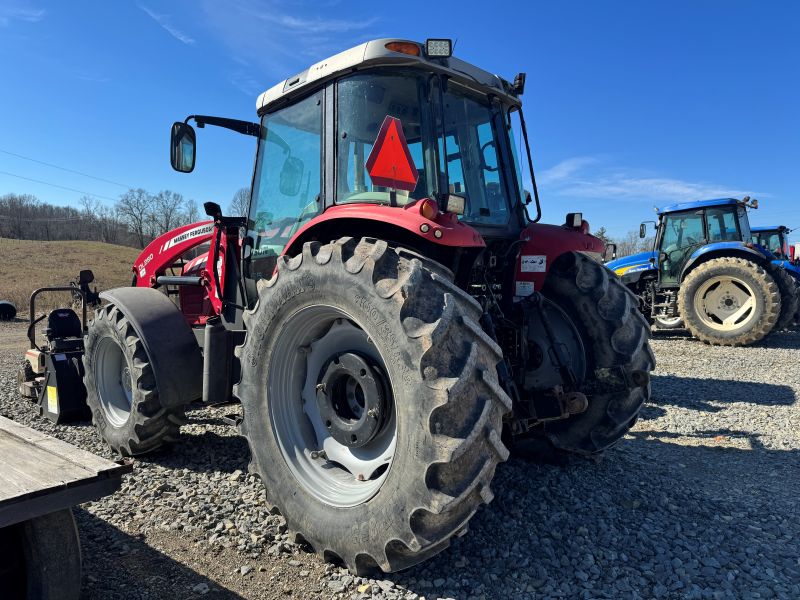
(638, 262)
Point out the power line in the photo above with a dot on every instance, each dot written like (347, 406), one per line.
(55, 185)
(41, 162)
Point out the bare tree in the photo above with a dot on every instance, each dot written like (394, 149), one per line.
(240, 202)
(135, 210)
(632, 243)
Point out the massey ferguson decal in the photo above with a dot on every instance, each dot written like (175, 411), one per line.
(197, 231)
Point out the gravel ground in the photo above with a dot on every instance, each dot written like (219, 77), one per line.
(700, 501)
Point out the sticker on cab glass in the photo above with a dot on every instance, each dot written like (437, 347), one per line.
(524, 288)
(533, 263)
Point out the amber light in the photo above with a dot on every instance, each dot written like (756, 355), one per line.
(404, 48)
(428, 209)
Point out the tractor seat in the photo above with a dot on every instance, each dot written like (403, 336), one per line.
(62, 324)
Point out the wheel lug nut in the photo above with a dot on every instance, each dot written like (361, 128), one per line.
(315, 454)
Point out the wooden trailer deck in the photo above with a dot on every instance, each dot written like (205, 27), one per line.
(40, 474)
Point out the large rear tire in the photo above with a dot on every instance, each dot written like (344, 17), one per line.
(425, 437)
(615, 339)
(789, 297)
(729, 301)
(121, 388)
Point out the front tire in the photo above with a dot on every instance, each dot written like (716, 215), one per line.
(121, 388)
(729, 301)
(668, 323)
(398, 494)
(615, 338)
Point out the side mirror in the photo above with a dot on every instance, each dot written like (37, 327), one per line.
(610, 252)
(643, 230)
(182, 147)
(574, 220)
(86, 276)
(291, 176)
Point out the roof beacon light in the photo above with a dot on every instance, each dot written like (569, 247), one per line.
(438, 48)
(404, 48)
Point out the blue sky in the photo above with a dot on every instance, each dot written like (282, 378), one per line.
(629, 104)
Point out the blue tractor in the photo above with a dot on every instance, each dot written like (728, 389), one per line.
(775, 239)
(706, 273)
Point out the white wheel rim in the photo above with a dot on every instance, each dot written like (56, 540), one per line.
(343, 476)
(114, 382)
(725, 303)
(669, 321)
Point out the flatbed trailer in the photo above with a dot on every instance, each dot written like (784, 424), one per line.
(41, 478)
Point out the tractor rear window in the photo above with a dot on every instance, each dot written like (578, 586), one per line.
(364, 101)
(722, 224)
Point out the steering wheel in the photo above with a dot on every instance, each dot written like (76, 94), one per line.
(484, 166)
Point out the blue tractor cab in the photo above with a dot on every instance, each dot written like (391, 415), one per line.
(704, 271)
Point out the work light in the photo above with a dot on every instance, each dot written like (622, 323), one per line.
(438, 48)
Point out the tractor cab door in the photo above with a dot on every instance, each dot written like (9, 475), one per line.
(682, 233)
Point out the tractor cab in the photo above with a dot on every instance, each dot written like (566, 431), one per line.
(775, 239)
(397, 133)
(686, 231)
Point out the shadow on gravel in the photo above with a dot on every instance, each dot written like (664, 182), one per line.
(698, 394)
(120, 566)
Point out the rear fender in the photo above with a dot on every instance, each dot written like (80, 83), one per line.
(338, 220)
(719, 250)
(541, 245)
(171, 346)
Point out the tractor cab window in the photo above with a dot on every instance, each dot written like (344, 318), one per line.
(772, 241)
(471, 145)
(722, 226)
(682, 232)
(363, 102)
(287, 181)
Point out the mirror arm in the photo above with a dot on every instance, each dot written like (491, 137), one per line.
(243, 127)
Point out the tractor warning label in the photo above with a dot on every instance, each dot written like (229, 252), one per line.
(533, 263)
(524, 288)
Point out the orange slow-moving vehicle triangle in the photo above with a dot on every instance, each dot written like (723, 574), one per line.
(389, 162)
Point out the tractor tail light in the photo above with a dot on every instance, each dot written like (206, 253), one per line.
(409, 48)
(428, 209)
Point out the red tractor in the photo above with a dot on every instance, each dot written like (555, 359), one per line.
(388, 315)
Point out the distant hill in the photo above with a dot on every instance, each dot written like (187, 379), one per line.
(28, 264)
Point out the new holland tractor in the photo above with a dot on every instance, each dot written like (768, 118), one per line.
(775, 239)
(704, 273)
(388, 315)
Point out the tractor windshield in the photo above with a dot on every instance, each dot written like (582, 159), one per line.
(453, 136)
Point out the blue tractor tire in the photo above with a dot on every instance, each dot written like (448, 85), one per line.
(789, 297)
(729, 301)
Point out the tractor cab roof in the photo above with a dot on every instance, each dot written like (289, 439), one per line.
(374, 54)
(697, 204)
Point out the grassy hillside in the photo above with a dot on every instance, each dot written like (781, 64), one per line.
(26, 265)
